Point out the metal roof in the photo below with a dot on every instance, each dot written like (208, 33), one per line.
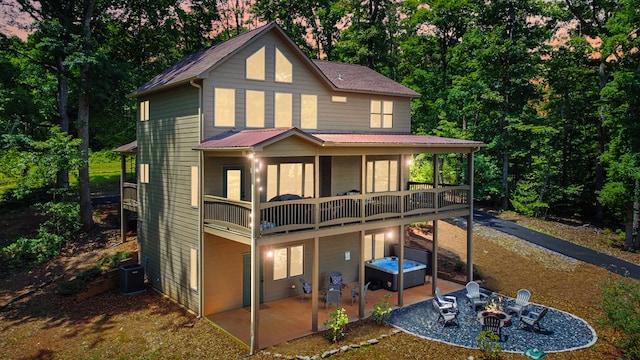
(129, 148)
(257, 139)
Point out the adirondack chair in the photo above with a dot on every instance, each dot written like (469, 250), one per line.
(532, 320)
(446, 301)
(446, 315)
(521, 303)
(476, 298)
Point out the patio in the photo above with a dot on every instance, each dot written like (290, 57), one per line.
(561, 331)
(290, 318)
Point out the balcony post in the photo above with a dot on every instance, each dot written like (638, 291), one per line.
(470, 177)
(255, 260)
(123, 215)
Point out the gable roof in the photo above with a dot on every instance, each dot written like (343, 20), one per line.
(355, 78)
(259, 138)
(351, 77)
(252, 139)
(195, 65)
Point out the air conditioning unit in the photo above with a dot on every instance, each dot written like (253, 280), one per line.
(132, 279)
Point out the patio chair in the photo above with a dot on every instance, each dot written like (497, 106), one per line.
(355, 292)
(532, 320)
(476, 298)
(447, 315)
(334, 280)
(332, 297)
(306, 288)
(446, 301)
(521, 303)
(494, 324)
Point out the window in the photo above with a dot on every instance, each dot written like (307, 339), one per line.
(382, 175)
(381, 114)
(225, 107)
(255, 65)
(255, 109)
(373, 246)
(339, 99)
(193, 270)
(290, 178)
(144, 110)
(283, 108)
(144, 173)
(233, 183)
(309, 111)
(284, 69)
(288, 262)
(195, 181)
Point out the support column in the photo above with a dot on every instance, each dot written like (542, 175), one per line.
(361, 277)
(470, 176)
(315, 281)
(255, 260)
(401, 269)
(434, 255)
(434, 258)
(123, 215)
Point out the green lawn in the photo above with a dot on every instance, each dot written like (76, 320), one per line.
(104, 173)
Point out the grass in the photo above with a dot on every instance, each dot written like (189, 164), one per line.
(104, 174)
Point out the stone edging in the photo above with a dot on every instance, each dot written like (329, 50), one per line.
(332, 352)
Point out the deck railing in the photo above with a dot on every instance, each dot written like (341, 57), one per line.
(130, 196)
(314, 213)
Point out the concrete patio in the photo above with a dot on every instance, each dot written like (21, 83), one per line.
(290, 318)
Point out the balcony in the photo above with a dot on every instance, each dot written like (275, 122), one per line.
(315, 213)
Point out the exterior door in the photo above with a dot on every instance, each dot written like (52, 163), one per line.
(246, 280)
(234, 183)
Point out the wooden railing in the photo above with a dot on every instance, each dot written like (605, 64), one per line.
(314, 213)
(130, 196)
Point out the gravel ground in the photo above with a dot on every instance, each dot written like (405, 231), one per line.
(561, 331)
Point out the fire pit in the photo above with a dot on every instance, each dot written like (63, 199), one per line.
(505, 319)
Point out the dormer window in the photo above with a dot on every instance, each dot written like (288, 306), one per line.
(284, 69)
(255, 65)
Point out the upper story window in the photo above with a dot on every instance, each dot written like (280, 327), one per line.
(144, 110)
(284, 69)
(309, 111)
(381, 114)
(225, 107)
(255, 65)
(382, 175)
(290, 178)
(283, 109)
(339, 99)
(255, 108)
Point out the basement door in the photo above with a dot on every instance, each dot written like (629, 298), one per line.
(246, 280)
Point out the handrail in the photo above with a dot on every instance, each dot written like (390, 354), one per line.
(314, 213)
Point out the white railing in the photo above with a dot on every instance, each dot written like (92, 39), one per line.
(314, 213)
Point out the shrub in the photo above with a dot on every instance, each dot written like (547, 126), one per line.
(337, 325)
(620, 302)
(382, 311)
(63, 222)
(79, 283)
(487, 342)
(113, 261)
(459, 266)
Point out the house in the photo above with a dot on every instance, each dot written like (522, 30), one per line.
(257, 166)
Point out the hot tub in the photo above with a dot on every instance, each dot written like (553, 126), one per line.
(385, 270)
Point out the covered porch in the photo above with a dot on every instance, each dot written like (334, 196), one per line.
(292, 316)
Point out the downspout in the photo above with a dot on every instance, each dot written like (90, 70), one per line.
(200, 204)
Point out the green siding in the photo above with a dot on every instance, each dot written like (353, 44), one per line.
(169, 225)
(351, 116)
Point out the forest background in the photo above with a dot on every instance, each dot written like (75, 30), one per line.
(552, 88)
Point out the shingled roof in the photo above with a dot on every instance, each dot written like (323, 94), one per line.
(350, 77)
(338, 76)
